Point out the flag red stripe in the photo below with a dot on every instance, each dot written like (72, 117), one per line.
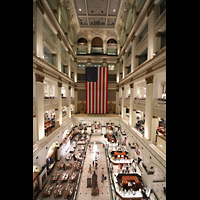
(96, 95)
(86, 96)
(89, 98)
(93, 97)
(103, 88)
(100, 91)
(107, 90)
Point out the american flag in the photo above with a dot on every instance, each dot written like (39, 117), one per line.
(96, 90)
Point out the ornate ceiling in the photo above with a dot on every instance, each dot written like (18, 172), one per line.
(103, 18)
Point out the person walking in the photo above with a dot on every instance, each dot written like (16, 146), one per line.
(90, 169)
(102, 178)
(93, 163)
(96, 165)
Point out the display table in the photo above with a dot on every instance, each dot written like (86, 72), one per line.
(68, 165)
(47, 190)
(127, 179)
(135, 195)
(76, 166)
(73, 177)
(60, 165)
(68, 191)
(59, 191)
(118, 153)
(54, 177)
(64, 176)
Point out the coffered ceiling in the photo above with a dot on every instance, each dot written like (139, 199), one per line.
(97, 13)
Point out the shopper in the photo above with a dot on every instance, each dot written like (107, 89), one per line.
(90, 169)
(102, 178)
(96, 165)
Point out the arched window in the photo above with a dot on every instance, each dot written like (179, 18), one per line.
(82, 41)
(97, 42)
(111, 41)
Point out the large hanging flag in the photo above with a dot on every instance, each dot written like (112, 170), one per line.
(96, 90)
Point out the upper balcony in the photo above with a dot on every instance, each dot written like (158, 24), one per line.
(159, 106)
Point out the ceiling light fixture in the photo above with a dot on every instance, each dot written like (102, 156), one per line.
(79, 9)
(113, 10)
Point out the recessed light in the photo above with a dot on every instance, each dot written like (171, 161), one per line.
(113, 10)
(79, 9)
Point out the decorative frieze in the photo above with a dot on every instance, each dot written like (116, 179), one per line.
(149, 80)
(39, 78)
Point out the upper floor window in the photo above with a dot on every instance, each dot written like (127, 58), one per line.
(143, 33)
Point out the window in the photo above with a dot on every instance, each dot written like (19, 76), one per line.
(163, 39)
(48, 30)
(62, 68)
(162, 6)
(142, 57)
(129, 69)
(143, 33)
(81, 78)
(130, 51)
(47, 55)
(111, 77)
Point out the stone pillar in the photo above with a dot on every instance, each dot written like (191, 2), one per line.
(58, 58)
(117, 66)
(154, 125)
(39, 106)
(69, 101)
(148, 106)
(75, 101)
(133, 65)
(117, 101)
(131, 104)
(69, 65)
(39, 30)
(75, 70)
(123, 67)
(59, 103)
(105, 47)
(89, 47)
(104, 63)
(89, 62)
(134, 118)
(122, 104)
(59, 11)
(151, 31)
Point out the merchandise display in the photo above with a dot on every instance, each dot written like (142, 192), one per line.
(54, 177)
(60, 165)
(47, 190)
(59, 190)
(64, 176)
(73, 177)
(76, 166)
(68, 191)
(69, 156)
(68, 165)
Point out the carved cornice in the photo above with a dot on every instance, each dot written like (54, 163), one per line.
(59, 84)
(39, 78)
(132, 85)
(149, 80)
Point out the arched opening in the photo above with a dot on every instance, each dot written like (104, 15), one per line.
(97, 42)
(82, 41)
(111, 41)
